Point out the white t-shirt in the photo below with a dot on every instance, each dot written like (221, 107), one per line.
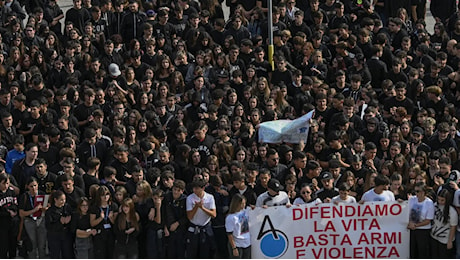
(350, 199)
(419, 211)
(440, 230)
(456, 203)
(300, 201)
(265, 199)
(370, 195)
(238, 224)
(200, 218)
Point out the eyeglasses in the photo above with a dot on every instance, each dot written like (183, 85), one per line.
(306, 192)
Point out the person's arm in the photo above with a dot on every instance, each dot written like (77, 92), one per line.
(414, 12)
(94, 221)
(83, 233)
(229, 228)
(191, 213)
(158, 211)
(232, 243)
(26, 132)
(451, 238)
(199, 205)
(24, 213)
(259, 4)
(57, 19)
(423, 223)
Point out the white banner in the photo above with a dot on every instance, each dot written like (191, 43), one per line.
(289, 131)
(370, 230)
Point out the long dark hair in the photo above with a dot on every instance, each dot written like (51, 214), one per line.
(132, 216)
(445, 193)
(101, 191)
(55, 195)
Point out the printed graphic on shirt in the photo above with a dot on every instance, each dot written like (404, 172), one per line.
(243, 219)
(416, 213)
(438, 230)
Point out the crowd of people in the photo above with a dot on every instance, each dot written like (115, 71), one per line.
(129, 129)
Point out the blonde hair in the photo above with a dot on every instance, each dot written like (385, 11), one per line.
(146, 189)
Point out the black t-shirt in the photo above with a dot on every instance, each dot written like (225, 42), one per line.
(73, 198)
(262, 68)
(406, 103)
(322, 194)
(81, 222)
(89, 180)
(26, 201)
(278, 76)
(123, 168)
(143, 210)
(345, 154)
(82, 112)
(51, 156)
(47, 183)
(113, 207)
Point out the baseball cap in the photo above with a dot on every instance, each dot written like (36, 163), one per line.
(114, 70)
(418, 130)
(326, 176)
(223, 74)
(275, 185)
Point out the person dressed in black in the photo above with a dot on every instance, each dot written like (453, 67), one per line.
(102, 218)
(77, 15)
(176, 220)
(400, 100)
(149, 211)
(90, 147)
(8, 218)
(81, 227)
(84, 111)
(57, 218)
(126, 229)
(131, 24)
(72, 192)
(201, 140)
(123, 163)
(239, 186)
(328, 191)
(31, 210)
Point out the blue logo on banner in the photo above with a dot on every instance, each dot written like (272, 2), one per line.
(273, 242)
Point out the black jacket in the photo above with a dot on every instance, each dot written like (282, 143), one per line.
(53, 219)
(175, 210)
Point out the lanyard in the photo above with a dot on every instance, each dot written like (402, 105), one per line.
(32, 204)
(31, 201)
(106, 213)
